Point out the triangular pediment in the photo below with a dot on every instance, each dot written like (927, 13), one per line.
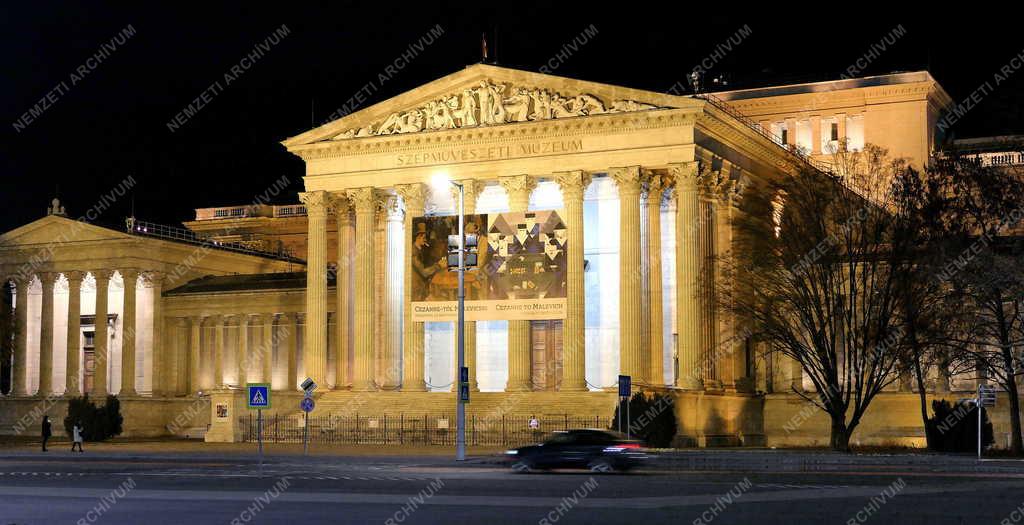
(55, 228)
(484, 95)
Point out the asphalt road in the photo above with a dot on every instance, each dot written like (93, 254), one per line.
(79, 489)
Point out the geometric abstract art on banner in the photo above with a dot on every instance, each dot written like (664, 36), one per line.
(521, 271)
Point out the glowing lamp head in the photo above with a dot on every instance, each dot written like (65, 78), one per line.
(440, 180)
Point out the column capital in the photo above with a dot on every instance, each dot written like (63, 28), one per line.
(128, 274)
(102, 275)
(74, 276)
(518, 184)
(362, 199)
(390, 207)
(717, 185)
(652, 184)
(339, 204)
(48, 279)
(414, 196)
(573, 183)
(316, 202)
(684, 175)
(628, 178)
(472, 189)
(153, 278)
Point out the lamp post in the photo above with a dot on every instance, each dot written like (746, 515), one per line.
(460, 407)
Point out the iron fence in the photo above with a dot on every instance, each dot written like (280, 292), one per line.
(505, 430)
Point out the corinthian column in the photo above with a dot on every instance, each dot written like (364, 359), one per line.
(413, 197)
(394, 266)
(708, 188)
(343, 291)
(102, 340)
(73, 385)
(574, 352)
(654, 186)
(314, 355)
(519, 188)
(218, 351)
(729, 354)
(161, 365)
(689, 317)
(630, 361)
(363, 200)
(472, 189)
(267, 349)
(130, 278)
(243, 349)
(46, 335)
(20, 371)
(194, 347)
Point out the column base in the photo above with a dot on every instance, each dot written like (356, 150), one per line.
(573, 388)
(517, 388)
(689, 383)
(364, 387)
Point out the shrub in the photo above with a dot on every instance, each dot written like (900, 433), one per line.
(98, 423)
(954, 427)
(652, 418)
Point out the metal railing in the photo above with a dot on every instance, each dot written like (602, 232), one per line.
(160, 231)
(424, 429)
(757, 127)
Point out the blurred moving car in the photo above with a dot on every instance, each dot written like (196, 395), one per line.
(594, 449)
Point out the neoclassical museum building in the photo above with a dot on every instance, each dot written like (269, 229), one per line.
(601, 210)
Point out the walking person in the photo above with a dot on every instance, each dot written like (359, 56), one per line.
(47, 431)
(76, 436)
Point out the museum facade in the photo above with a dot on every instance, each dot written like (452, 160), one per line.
(603, 214)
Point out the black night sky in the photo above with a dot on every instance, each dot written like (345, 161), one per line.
(113, 123)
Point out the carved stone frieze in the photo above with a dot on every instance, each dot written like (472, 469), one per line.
(488, 104)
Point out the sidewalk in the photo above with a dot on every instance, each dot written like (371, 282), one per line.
(195, 450)
(703, 460)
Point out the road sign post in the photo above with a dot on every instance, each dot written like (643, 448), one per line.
(464, 385)
(306, 405)
(625, 387)
(986, 398)
(258, 398)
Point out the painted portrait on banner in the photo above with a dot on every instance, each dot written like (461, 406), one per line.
(521, 271)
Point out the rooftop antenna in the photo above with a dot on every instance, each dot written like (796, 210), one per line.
(495, 45)
(483, 47)
(312, 113)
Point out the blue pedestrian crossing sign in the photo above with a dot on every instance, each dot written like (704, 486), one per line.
(259, 395)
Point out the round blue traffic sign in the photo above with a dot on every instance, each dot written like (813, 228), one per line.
(307, 404)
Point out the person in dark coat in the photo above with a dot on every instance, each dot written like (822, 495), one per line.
(47, 431)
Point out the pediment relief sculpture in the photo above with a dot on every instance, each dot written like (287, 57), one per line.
(489, 104)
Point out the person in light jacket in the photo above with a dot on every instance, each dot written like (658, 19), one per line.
(76, 436)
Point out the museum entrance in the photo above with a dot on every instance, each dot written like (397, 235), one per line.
(546, 352)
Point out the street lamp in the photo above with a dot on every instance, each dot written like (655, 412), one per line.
(439, 180)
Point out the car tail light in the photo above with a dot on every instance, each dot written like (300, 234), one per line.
(622, 446)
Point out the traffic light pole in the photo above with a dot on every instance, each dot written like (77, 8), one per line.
(460, 407)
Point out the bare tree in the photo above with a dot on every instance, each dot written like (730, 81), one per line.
(980, 208)
(820, 281)
(931, 311)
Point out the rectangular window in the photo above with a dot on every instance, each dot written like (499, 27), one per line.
(780, 133)
(804, 136)
(855, 132)
(829, 135)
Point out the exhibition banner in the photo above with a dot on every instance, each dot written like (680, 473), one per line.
(520, 274)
